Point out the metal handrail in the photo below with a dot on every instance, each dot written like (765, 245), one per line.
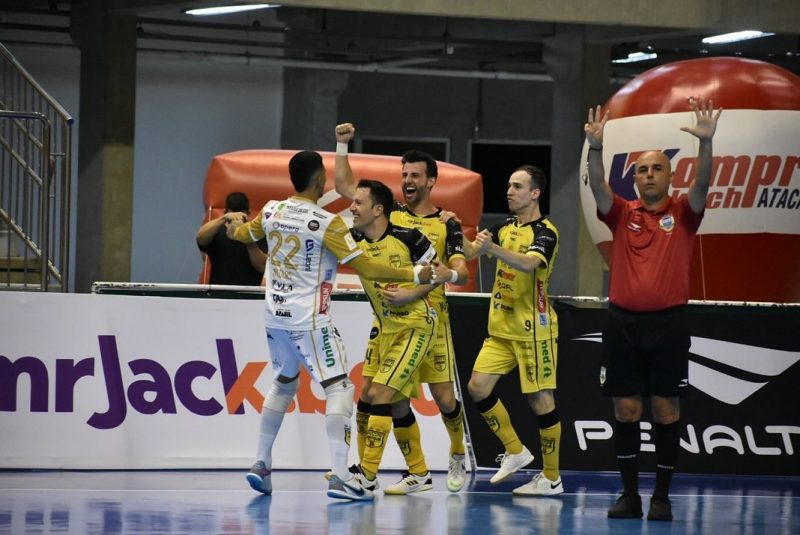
(38, 185)
(36, 87)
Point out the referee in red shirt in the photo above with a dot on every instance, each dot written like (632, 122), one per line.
(646, 339)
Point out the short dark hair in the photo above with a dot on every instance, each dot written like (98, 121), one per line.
(413, 156)
(538, 178)
(380, 194)
(237, 202)
(302, 168)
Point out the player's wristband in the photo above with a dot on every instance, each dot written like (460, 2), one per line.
(341, 149)
(417, 269)
(453, 276)
(600, 148)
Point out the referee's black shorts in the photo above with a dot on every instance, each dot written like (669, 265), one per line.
(645, 353)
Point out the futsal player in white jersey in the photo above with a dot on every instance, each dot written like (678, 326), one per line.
(305, 244)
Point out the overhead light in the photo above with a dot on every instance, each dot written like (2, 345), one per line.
(636, 56)
(735, 36)
(224, 10)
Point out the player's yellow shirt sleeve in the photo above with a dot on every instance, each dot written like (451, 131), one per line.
(340, 242)
(250, 232)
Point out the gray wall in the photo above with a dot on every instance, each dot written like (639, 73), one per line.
(186, 113)
(418, 106)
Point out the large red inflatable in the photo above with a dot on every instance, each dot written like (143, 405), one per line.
(748, 247)
(264, 175)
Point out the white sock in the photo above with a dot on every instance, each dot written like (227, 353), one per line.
(270, 425)
(338, 413)
(338, 427)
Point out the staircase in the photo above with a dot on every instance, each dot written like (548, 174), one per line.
(35, 176)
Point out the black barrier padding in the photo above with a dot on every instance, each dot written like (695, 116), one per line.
(757, 435)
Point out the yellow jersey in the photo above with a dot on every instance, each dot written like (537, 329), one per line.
(520, 307)
(398, 247)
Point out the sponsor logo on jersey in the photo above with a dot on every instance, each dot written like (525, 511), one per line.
(503, 286)
(286, 217)
(500, 306)
(308, 262)
(283, 287)
(416, 354)
(284, 227)
(395, 260)
(325, 292)
(373, 333)
(541, 298)
(506, 275)
(297, 210)
(321, 216)
(330, 359)
(667, 223)
(278, 299)
(283, 313)
(313, 225)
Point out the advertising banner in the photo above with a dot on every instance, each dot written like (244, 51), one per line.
(124, 382)
(132, 382)
(740, 416)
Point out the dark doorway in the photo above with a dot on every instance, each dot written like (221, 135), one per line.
(496, 161)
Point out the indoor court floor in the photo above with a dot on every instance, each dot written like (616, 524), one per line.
(220, 502)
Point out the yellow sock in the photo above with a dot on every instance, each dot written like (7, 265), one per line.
(455, 429)
(362, 419)
(499, 422)
(551, 440)
(410, 443)
(375, 438)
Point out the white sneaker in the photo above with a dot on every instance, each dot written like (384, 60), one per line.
(540, 486)
(511, 463)
(357, 488)
(456, 473)
(410, 483)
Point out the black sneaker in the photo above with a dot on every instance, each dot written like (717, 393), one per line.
(629, 505)
(660, 509)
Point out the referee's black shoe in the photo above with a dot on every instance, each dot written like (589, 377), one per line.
(629, 505)
(660, 508)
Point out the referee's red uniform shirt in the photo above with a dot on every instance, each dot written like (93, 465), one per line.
(651, 253)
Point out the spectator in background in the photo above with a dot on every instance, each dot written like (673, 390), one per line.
(232, 262)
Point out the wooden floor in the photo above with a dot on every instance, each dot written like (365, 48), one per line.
(220, 502)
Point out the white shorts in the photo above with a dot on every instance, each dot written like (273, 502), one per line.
(319, 351)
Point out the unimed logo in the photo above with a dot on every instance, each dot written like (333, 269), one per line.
(150, 395)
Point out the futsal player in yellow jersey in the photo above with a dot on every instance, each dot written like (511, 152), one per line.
(305, 245)
(406, 330)
(419, 173)
(523, 330)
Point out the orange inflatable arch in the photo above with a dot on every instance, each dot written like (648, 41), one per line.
(264, 175)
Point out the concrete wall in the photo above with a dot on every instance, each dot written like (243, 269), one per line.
(186, 113)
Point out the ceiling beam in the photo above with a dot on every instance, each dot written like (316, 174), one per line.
(780, 16)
